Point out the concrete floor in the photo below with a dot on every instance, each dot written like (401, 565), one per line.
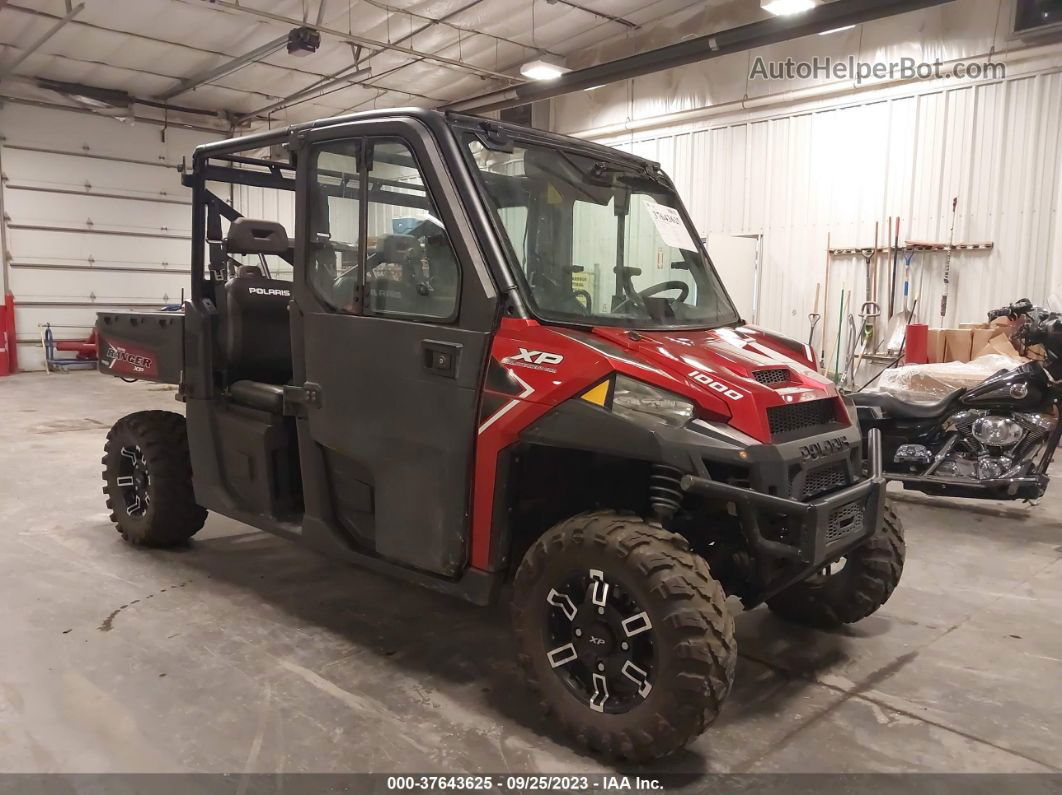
(246, 653)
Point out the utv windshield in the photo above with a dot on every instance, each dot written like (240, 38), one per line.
(601, 242)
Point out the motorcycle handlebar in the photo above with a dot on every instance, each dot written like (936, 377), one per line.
(1017, 309)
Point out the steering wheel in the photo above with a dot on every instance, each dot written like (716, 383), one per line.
(585, 295)
(662, 287)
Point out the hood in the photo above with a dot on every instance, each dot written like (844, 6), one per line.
(750, 369)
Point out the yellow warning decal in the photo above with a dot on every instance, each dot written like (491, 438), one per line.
(598, 394)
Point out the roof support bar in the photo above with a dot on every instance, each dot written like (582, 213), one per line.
(71, 12)
(224, 68)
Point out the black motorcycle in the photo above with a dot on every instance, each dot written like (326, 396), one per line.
(994, 441)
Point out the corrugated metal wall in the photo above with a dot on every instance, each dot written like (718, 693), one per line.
(838, 170)
(96, 218)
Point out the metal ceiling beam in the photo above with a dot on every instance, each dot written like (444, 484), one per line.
(744, 37)
(407, 37)
(224, 68)
(339, 77)
(88, 26)
(599, 14)
(231, 5)
(71, 12)
(444, 21)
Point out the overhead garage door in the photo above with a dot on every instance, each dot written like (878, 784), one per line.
(95, 218)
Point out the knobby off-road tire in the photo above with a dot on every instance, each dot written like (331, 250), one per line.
(147, 476)
(870, 574)
(687, 652)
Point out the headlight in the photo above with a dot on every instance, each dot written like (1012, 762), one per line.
(649, 405)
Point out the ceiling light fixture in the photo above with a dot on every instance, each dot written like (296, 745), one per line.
(785, 8)
(835, 30)
(545, 67)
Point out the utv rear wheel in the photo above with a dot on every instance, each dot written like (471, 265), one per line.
(624, 634)
(147, 476)
(852, 588)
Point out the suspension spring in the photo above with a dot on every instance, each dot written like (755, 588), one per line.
(665, 494)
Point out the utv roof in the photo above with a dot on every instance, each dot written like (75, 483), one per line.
(432, 118)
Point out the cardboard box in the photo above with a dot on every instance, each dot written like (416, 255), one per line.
(935, 345)
(974, 325)
(981, 337)
(957, 344)
(999, 344)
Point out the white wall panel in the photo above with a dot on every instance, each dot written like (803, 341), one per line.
(840, 165)
(91, 134)
(35, 246)
(96, 218)
(89, 174)
(66, 210)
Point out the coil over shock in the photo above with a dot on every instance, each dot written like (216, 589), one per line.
(665, 494)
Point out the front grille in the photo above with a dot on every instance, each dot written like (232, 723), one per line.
(799, 416)
(824, 479)
(844, 522)
(778, 375)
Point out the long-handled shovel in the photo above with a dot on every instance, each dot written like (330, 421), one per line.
(947, 263)
(853, 336)
(870, 258)
(814, 317)
(825, 308)
(838, 342)
(897, 332)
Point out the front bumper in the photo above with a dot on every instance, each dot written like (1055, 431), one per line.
(825, 528)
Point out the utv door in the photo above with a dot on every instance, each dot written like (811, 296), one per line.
(392, 322)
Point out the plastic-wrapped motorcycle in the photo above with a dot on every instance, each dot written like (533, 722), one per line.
(994, 441)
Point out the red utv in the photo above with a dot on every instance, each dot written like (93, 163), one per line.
(488, 353)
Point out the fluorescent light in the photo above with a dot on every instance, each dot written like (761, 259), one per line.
(785, 8)
(544, 67)
(835, 30)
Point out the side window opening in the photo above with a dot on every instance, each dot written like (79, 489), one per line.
(393, 257)
(335, 226)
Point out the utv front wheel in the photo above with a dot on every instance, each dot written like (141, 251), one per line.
(147, 477)
(852, 588)
(624, 634)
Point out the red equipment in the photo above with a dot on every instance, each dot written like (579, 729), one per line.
(8, 343)
(85, 349)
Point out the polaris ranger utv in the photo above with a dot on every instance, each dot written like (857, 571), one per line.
(489, 353)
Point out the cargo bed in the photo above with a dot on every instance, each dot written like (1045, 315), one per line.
(148, 346)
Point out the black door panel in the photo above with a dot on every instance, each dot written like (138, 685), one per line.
(391, 436)
(410, 429)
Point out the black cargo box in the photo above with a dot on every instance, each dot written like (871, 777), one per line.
(143, 345)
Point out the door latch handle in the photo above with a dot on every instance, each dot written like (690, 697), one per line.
(441, 358)
(298, 398)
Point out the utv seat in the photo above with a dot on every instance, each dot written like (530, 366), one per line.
(902, 409)
(256, 329)
(255, 326)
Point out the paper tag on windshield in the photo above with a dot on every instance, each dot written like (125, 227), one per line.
(669, 224)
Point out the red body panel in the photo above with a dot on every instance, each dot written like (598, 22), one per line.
(535, 367)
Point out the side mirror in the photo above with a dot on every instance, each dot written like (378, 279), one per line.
(250, 236)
